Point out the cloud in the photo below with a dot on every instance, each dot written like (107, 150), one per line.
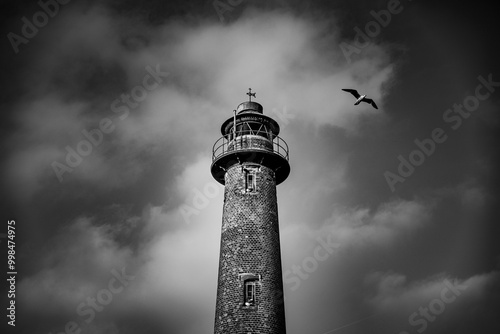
(444, 298)
(470, 193)
(281, 56)
(77, 265)
(353, 234)
(88, 61)
(363, 227)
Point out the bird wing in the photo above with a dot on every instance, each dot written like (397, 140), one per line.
(371, 102)
(353, 92)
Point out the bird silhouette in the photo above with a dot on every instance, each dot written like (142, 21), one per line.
(360, 98)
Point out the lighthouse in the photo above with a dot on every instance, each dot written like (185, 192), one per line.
(250, 160)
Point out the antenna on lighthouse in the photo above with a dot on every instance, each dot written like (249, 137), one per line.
(234, 125)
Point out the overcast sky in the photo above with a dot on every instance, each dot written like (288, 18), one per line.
(108, 116)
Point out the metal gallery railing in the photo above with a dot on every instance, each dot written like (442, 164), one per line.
(226, 144)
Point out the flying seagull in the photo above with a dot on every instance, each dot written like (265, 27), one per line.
(360, 98)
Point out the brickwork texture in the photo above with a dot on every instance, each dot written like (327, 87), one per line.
(250, 247)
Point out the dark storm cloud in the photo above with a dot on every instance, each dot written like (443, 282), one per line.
(124, 204)
(197, 69)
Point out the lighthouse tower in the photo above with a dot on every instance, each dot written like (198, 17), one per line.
(250, 160)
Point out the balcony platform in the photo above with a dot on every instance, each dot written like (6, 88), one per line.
(250, 148)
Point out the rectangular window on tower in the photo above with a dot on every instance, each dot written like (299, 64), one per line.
(249, 293)
(251, 182)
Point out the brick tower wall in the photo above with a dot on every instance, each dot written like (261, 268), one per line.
(250, 245)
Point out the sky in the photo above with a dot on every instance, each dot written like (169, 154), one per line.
(109, 113)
